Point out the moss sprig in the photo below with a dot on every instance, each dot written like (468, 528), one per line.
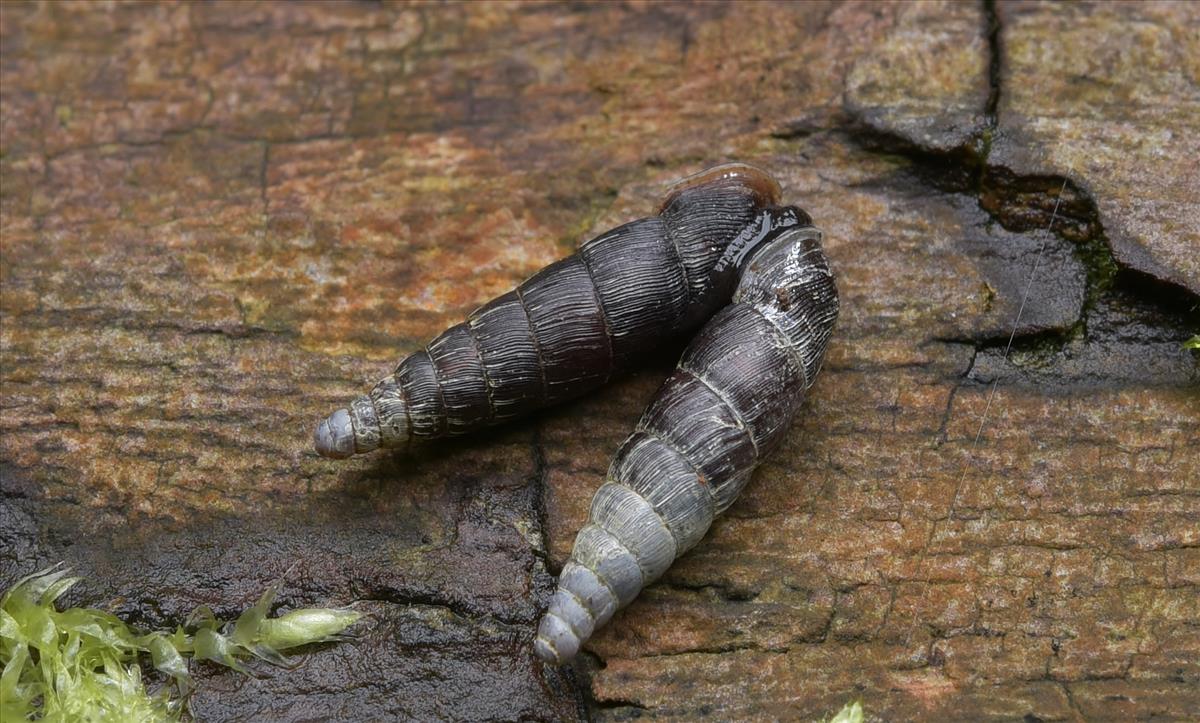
(85, 664)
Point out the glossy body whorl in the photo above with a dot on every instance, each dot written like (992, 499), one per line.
(726, 407)
(569, 327)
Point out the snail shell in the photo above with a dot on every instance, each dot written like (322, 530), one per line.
(572, 325)
(725, 408)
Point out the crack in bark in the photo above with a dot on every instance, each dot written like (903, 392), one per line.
(542, 581)
(992, 20)
(409, 601)
(428, 599)
(586, 666)
(944, 424)
(1018, 203)
(1022, 203)
(1066, 689)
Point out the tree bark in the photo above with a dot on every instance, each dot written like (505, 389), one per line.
(221, 220)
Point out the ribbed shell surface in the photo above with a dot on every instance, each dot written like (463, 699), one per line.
(640, 283)
(569, 327)
(509, 352)
(728, 404)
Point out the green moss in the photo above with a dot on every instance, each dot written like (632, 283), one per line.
(850, 713)
(1193, 343)
(1099, 264)
(84, 664)
(984, 148)
(989, 296)
(1042, 350)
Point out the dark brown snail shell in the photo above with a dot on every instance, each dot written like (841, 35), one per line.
(572, 325)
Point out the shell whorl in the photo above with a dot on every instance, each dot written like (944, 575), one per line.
(569, 327)
(746, 175)
(728, 404)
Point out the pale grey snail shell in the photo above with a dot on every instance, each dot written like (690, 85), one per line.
(724, 409)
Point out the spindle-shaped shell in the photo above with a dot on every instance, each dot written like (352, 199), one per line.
(572, 325)
(724, 409)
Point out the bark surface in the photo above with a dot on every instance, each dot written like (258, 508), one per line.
(220, 220)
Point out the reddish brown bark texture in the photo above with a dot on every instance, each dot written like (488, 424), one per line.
(220, 220)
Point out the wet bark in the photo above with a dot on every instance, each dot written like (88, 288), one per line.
(219, 221)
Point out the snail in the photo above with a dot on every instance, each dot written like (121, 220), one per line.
(572, 325)
(726, 406)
